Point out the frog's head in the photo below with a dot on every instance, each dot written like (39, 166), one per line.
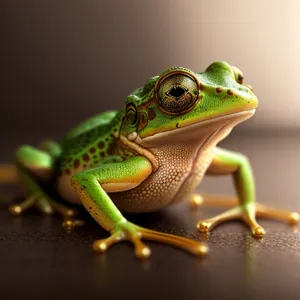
(181, 99)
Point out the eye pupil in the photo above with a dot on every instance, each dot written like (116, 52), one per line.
(176, 91)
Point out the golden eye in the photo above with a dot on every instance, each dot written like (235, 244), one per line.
(131, 114)
(177, 93)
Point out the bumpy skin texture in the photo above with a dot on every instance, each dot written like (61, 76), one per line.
(150, 154)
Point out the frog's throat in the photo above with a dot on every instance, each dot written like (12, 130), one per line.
(197, 131)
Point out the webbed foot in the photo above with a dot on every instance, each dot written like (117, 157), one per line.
(47, 206)
(247, 213)
(129, 232)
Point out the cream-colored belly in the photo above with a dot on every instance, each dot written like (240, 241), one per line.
(168, 184)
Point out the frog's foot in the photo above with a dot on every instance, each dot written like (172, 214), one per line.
(134, 234)
(248, 214)
(47, 206)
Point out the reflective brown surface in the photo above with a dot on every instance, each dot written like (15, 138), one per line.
(38, 257)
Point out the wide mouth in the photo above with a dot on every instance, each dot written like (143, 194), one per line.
(245, 113)
(231, 119)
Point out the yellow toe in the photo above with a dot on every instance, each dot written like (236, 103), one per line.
(100, 246)
(203, 226)
(202, 249)
(68, 224)
(15, 210)
(294, 218)
(143, 252)
(258, 231)
(196, 200)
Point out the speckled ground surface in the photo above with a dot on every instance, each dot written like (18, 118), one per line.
(39, 258)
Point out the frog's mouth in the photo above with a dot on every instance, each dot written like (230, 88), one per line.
(197, 132)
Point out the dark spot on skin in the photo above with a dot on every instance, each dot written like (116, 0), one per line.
(248, 101)
(101, 145)
(151, 114)
(229, 92)
(95, 156)
(219, 90)
(143, 121)
(102, 154)
(90, 207)
(110, 151)
(92, 150)
(85, 165)
(68, 171)
(84, 186)
(107, 139)
(76, 163)
(116, 129)
(86, 157)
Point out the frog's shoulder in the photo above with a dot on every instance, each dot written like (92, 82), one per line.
(85, 126)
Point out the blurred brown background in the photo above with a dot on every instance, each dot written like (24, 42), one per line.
(63, 61)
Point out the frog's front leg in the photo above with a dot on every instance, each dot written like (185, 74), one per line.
(228, 162)
(92, 186)
(35, 168)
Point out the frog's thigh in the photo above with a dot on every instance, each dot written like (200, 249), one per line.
(33, 167)
(31, 161)
(92, 186)
(37, 162)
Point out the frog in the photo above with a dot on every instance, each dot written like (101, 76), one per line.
(151, 154)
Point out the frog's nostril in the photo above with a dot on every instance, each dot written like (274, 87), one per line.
(240, 78)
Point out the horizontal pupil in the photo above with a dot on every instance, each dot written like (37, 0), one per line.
(176, 92)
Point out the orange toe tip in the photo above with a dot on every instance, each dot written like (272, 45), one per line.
(143, 253)
(294, 218)
(258, 232)
(203, 226)
(99, 246)
(202, 250)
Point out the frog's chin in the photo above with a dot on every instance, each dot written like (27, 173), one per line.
(196, 133)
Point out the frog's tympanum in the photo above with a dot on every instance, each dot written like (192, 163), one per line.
(152, 153)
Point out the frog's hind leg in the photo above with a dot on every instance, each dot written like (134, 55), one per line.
(35, 169)
(244, 207)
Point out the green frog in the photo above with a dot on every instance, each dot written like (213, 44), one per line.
(151, 154)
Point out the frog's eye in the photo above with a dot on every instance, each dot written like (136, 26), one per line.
(177, 93)
(238, 75)
(131, 114)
